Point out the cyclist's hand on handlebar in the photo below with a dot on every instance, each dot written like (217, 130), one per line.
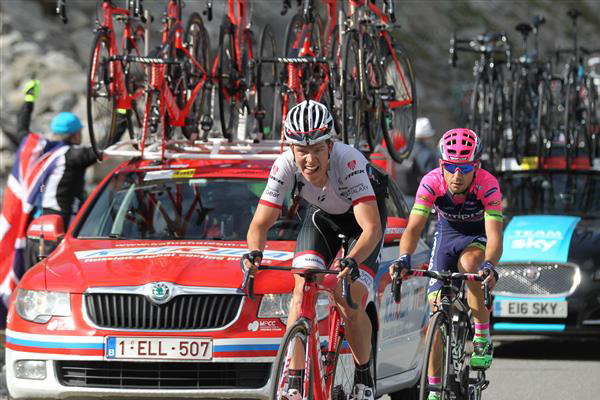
(348, 266)
(492, 275)
(251, 261)
(401, 265)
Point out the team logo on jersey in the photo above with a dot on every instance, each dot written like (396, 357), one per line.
(494, 203)
(352, 165)
(490, 192)
(274, 169)
(424, 198)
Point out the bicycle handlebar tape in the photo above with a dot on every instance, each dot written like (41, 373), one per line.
(354, 274)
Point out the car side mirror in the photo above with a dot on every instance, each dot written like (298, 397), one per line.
(48, 227)
(394, 229)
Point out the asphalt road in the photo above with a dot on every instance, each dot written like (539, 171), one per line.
(534, 368)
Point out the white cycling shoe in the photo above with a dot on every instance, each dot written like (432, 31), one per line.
(362, 392)
(292, 394)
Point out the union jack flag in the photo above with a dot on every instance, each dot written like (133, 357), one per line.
(36, 159)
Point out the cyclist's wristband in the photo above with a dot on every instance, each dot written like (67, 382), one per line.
(252, 256)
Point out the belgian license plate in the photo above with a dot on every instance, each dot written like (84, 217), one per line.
(161, 348)
(530, 309)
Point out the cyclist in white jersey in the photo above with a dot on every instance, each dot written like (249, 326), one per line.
(346, 196)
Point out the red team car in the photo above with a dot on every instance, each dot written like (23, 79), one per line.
(142, 296)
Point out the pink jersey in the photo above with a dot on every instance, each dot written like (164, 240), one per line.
(484, 200)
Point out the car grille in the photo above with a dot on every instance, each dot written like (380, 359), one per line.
(134, 311)
(536, 279)
(162, 375)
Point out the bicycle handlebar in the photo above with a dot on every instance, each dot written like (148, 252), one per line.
(483, 44)
(445, 276)
(248, 280)
(61, 9)
(208, 11)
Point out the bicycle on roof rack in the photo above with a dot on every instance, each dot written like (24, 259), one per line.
(532, 102)
(579, 141)
(377, 81)
(238, 92)
(176, 91)
(311, 46)
(113, 85)
(488, 109)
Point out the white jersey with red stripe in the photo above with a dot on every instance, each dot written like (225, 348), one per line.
(347, 181)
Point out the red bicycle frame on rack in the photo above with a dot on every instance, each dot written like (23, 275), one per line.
(169, 103)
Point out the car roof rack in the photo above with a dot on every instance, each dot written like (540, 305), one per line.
(212, 149)
(554, 163)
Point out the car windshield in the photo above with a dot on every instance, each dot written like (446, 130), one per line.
(551, 193)
(134, 206)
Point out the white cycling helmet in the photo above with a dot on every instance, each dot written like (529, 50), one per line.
(307, 123)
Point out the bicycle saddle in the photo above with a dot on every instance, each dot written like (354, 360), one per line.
(524, 29)
(538, 20)
(573, 14)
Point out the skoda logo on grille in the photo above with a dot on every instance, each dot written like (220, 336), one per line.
(160, 292)
(532, 274)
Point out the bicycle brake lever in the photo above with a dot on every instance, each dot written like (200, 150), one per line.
(487, 298)
(61, 10)
(248, 283)
(396, 286)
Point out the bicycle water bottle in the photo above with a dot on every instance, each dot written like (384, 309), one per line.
(241, 128)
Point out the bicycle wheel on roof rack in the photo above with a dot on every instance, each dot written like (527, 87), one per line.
(100, 95)
(266, 81)
(545, 118)
(354, 125)
(197, 43)
(135, 82)
(228, 80)
(399, 104)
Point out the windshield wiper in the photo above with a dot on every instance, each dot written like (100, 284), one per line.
(116, 236)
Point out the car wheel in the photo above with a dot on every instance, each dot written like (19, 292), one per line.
(407, 394)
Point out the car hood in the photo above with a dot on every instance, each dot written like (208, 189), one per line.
(77, 265)
(551, 238)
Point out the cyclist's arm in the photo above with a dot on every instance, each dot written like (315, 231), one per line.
(263, 219)
(410, 237)
(493, 248)
(367, 216)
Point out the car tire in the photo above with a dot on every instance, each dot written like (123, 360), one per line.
(412, 393)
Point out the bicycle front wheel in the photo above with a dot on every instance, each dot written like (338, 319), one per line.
(100, 96)
(399, 104)
(436, 357)
(295, 340)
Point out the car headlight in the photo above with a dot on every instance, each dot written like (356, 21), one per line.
(278, 306)
(39, 305)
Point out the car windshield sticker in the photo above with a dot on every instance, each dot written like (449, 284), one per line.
(155, 175)
(170, 251)
(184, 173)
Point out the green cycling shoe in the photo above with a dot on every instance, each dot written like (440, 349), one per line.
(433, 396)
(483, 351)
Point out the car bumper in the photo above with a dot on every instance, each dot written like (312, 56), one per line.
(68, 373)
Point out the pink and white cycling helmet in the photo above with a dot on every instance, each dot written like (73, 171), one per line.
(460, 145)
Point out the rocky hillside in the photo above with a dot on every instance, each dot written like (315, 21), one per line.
(34, 42)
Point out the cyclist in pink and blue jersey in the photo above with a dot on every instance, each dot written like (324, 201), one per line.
(468, 234)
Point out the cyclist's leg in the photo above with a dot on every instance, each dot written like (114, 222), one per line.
(316, 247)
(470, 260)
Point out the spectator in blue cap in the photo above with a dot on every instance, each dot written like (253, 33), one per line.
(58, 157)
